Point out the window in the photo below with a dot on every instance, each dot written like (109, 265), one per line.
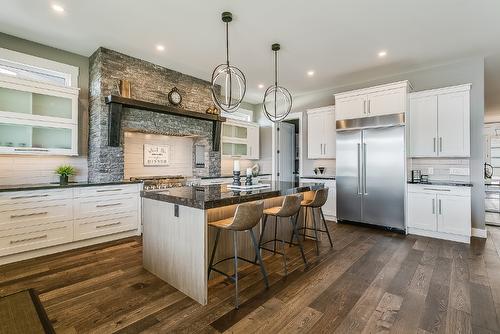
(22, 66)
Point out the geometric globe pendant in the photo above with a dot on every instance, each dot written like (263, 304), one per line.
(230, 78)
(277, 101)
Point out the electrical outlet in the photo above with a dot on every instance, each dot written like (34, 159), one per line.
(459, 171)
(430, 171)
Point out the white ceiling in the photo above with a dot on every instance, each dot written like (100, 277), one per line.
(338, 39)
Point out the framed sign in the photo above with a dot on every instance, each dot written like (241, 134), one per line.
(156, 155)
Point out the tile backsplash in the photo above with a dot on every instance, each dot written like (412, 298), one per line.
(442, 168)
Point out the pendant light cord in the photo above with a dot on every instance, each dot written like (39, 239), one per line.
(228, 69)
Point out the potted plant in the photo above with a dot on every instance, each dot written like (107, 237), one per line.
(64, 172)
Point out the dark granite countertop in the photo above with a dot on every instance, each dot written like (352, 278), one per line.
(319, 177)
(214, 196)
(41, 186)
(444, 183)
(226, 176)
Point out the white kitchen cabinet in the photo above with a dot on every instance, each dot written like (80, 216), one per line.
(240, 140)
(37, 118)
(45, 221)
(374, 101)
(442, 212)
(321, 133)
(330, 207)
(439, 122)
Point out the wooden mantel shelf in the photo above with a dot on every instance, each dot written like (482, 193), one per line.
(116, 104)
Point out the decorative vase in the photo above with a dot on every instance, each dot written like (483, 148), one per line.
(63, 179)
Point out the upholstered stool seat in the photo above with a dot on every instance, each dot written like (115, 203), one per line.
(245, 218)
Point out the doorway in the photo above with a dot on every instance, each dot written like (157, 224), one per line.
(287, 148)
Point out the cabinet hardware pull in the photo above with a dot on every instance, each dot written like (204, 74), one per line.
(29, 196)
(435, 189)
(31, 150)
(106, 205)
(364, 107)
(439, 206)
(433, 206)
(359, 169)
(106, 190)
(434, 144)
(324, 149)
(369, 107)
(29, 214)
(365, 191)
(107, 225)
(440, 144)
(28, 239)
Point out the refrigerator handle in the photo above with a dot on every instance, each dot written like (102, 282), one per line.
(365, 192)
(359, 169)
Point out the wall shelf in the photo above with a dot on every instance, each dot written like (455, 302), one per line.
(116, 104)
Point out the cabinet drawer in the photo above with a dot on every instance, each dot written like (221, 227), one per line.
(38, 213)
(99, 226)
(107, 190)
(435, 189)
(35, 237)
(33, 196)
(91, 207)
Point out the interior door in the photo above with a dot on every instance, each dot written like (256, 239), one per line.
(453, 125)
(348, 170)
(286, 151)
(384, 176)
(423, 126)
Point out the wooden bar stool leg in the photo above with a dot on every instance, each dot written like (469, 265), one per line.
(296, 233)
(326, 227)
(315, 231)
(213, 252)
(235, 245)
(259, 258)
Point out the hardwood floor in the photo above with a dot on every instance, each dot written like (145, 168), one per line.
(372, 281)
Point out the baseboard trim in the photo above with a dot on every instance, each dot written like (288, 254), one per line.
(439, 235)
(479, 232)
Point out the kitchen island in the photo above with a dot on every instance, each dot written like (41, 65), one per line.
(177, 239)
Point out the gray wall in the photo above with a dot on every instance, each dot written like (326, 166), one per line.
(39, 50)
(460, 72)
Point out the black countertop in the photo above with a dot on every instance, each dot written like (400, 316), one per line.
(41, 186)
(319, 177)
(444, 183)
(226, 176)
(214, 196)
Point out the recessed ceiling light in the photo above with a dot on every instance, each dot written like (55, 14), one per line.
(160, 47)
(57, 8)
(310, 73)
(261, 86)
(382, 54)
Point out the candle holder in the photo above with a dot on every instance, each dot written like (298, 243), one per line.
(248, 180)
(236, 178)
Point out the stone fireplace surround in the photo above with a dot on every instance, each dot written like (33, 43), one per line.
(149, 83)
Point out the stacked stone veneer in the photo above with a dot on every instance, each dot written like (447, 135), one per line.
(150, 83)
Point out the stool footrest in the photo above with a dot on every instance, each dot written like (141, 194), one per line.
(278, 240)
(232, 258)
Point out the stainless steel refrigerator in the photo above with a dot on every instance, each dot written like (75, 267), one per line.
(371, 173)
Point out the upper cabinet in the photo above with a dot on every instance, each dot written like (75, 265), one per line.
(240, 140)
(439, 122)
(37, 118)
(321, 133)
(374, 101)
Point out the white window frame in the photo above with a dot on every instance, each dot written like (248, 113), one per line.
(69, 72)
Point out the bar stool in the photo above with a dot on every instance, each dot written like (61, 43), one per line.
(319, 199)
(290, 208)
(245, 218)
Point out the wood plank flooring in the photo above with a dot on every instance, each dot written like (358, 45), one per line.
(372, 281)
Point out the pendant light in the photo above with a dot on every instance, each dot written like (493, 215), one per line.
(277, 101)
(229, 77)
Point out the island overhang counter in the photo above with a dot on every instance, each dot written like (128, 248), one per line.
(177, 239)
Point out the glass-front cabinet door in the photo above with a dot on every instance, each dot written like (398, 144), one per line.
(37, 118)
